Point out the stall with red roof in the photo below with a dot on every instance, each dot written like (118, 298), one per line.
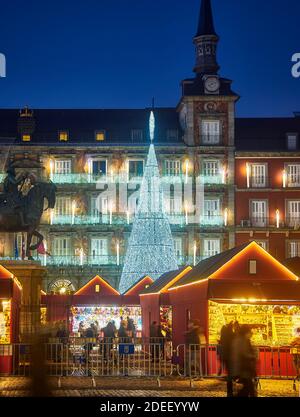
(245, 284)
(10, 301)
(97, 301)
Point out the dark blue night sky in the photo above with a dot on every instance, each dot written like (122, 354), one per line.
(120, 53)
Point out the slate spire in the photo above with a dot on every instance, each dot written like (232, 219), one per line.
(206, 41)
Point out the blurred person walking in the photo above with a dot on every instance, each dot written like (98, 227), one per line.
(244, 359)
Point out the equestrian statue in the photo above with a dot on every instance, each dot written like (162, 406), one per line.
(22, 213)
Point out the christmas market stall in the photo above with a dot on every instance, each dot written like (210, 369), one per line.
(245, 285)
(96, 302)
(155, 302)
(10, 300)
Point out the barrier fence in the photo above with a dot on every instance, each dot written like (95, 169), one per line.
(139, 357)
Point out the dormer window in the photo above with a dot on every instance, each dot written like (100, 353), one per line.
(292, 139)
(172, 134)
(100, 135)
(137, 135)
(26, 138)
(63, 136)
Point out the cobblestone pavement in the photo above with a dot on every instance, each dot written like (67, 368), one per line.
(143, 387)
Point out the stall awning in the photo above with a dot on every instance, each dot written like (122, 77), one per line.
(243, 291)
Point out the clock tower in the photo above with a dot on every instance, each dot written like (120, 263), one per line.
(207, 116)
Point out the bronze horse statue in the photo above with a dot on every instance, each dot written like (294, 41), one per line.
(27, 217)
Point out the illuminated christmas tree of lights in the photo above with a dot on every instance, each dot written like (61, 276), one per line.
(151, 247)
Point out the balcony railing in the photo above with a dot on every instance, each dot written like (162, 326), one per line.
(99, 260)
(211, 140)
(217, 221)
(292, 222)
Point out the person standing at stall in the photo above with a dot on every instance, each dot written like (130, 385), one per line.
(225, 352)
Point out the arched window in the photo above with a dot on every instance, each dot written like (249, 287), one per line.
(62, 286)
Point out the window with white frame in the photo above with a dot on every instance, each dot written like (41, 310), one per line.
(63, 206)
(178, 246)
(263, 244)
(292, 139)
(61, 246)
(99, 205)
(258, 175)
(259, 213)
(98, 166)
(211, 209)
(294, 249)
(99, 250)
(211, 168)
(173, 205)
(173, 167)
(293, 213)
(211, 247)
(293, 175)
(135, 168)
(210, 132)
(63, 166)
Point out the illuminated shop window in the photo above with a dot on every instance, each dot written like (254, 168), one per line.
(63, 136)
(100, 135)
(26, 138)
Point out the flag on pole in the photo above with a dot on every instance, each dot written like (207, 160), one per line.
(16, 247)
(23, 246)
(42, 250)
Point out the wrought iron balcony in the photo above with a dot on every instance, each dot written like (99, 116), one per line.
(213, 221)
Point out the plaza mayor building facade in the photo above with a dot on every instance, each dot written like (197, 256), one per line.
(248, 170)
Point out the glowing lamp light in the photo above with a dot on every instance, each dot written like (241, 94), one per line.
(284, 178)
(81, 254)
(223, 175)
(118, 253)
(51, 216)
(73, 211)
(195, 253)
(277, 219)
(51, 169)
(128, 217)
(187, 165)
(186, 214)
(248, 172)
(110, 212)
(62, 290)
(45, 254)
(226, 217)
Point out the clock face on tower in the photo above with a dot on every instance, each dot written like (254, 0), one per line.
(212, 84)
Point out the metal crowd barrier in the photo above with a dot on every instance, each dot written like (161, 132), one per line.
(90, 357)
(139, 357)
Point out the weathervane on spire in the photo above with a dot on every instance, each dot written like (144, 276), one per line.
(152, 126)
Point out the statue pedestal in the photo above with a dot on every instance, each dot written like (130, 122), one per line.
(30, 274)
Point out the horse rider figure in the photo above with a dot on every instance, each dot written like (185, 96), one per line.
(12, 196)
